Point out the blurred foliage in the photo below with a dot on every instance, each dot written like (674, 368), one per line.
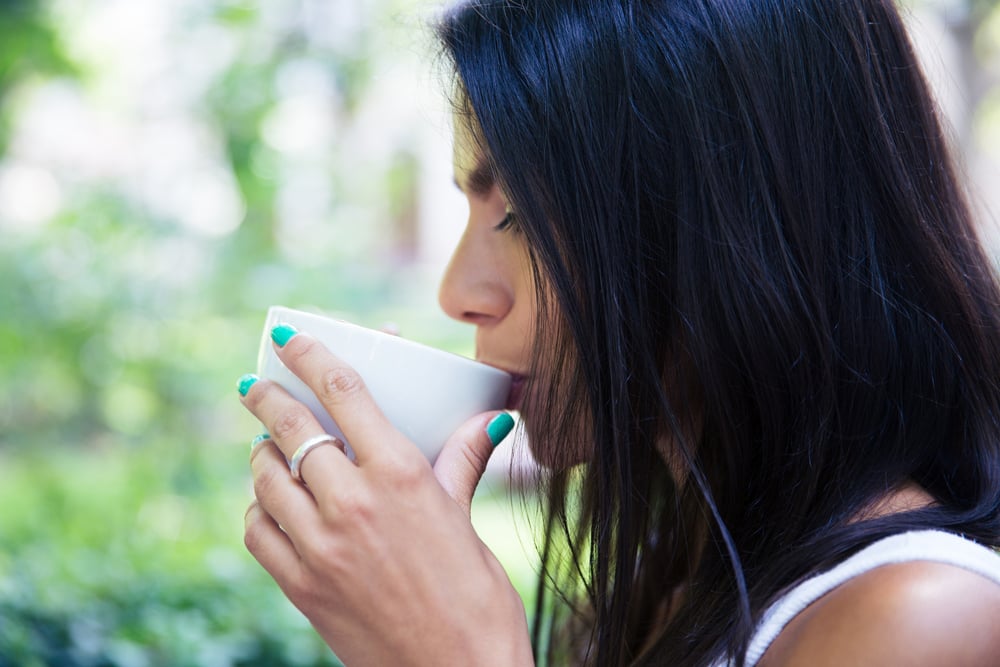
(136, 561)
(162, 183)
(118, 319)
(127, 311)
(28, 47)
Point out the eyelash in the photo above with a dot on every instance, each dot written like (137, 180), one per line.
(509, 222)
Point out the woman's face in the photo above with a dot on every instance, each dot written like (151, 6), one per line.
(489, 282)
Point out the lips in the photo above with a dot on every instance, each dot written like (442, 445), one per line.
(517, 382)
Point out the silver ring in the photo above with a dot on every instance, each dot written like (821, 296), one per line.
(295, 463)
(258, 441)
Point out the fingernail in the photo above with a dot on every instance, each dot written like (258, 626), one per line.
(499, 427)
(259, 439)
(283, 333)
(245, 382)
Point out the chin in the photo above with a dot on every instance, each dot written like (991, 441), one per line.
(553, 447)
(549, 452)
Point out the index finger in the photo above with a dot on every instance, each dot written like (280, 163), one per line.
(291, 424)
(341, 391)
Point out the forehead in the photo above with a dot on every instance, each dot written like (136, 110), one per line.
(473, 171)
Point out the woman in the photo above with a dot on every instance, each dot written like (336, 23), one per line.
(760, 371)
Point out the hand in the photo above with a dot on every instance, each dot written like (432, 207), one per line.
(379, 553)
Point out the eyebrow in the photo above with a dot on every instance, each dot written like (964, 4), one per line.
(479, 181)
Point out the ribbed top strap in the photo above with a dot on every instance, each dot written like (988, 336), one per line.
(928, 545)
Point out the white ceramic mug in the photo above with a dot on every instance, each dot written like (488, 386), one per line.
(426, 393)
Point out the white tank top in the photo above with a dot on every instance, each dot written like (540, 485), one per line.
(927, 545)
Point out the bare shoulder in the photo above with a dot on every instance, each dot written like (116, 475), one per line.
(917, 613)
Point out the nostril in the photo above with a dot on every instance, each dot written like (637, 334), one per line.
(474, 317)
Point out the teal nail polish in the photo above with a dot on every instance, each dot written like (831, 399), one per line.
(499, 427)
(283, 333)
(259, 439)
(245, 382)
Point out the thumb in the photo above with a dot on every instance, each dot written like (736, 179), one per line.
(462, 461)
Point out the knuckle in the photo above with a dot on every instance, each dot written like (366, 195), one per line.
(357, 506)
(253, 535)
(325, 555)
(290, 423)
(301, 347)
(406, 473)
(301, 590)
(339, 383)
(265, 481)
(475, 457)
(259, 391)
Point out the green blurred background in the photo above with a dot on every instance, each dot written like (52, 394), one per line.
(170, 168)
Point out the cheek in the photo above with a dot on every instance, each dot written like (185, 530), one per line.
(557, 419)
(532, 316)
(554, 410)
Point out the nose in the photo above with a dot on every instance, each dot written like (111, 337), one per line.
(474, 288)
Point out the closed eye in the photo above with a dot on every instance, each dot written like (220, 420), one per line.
(509, 222)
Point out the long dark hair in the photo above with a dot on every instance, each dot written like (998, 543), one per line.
(772, 305)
